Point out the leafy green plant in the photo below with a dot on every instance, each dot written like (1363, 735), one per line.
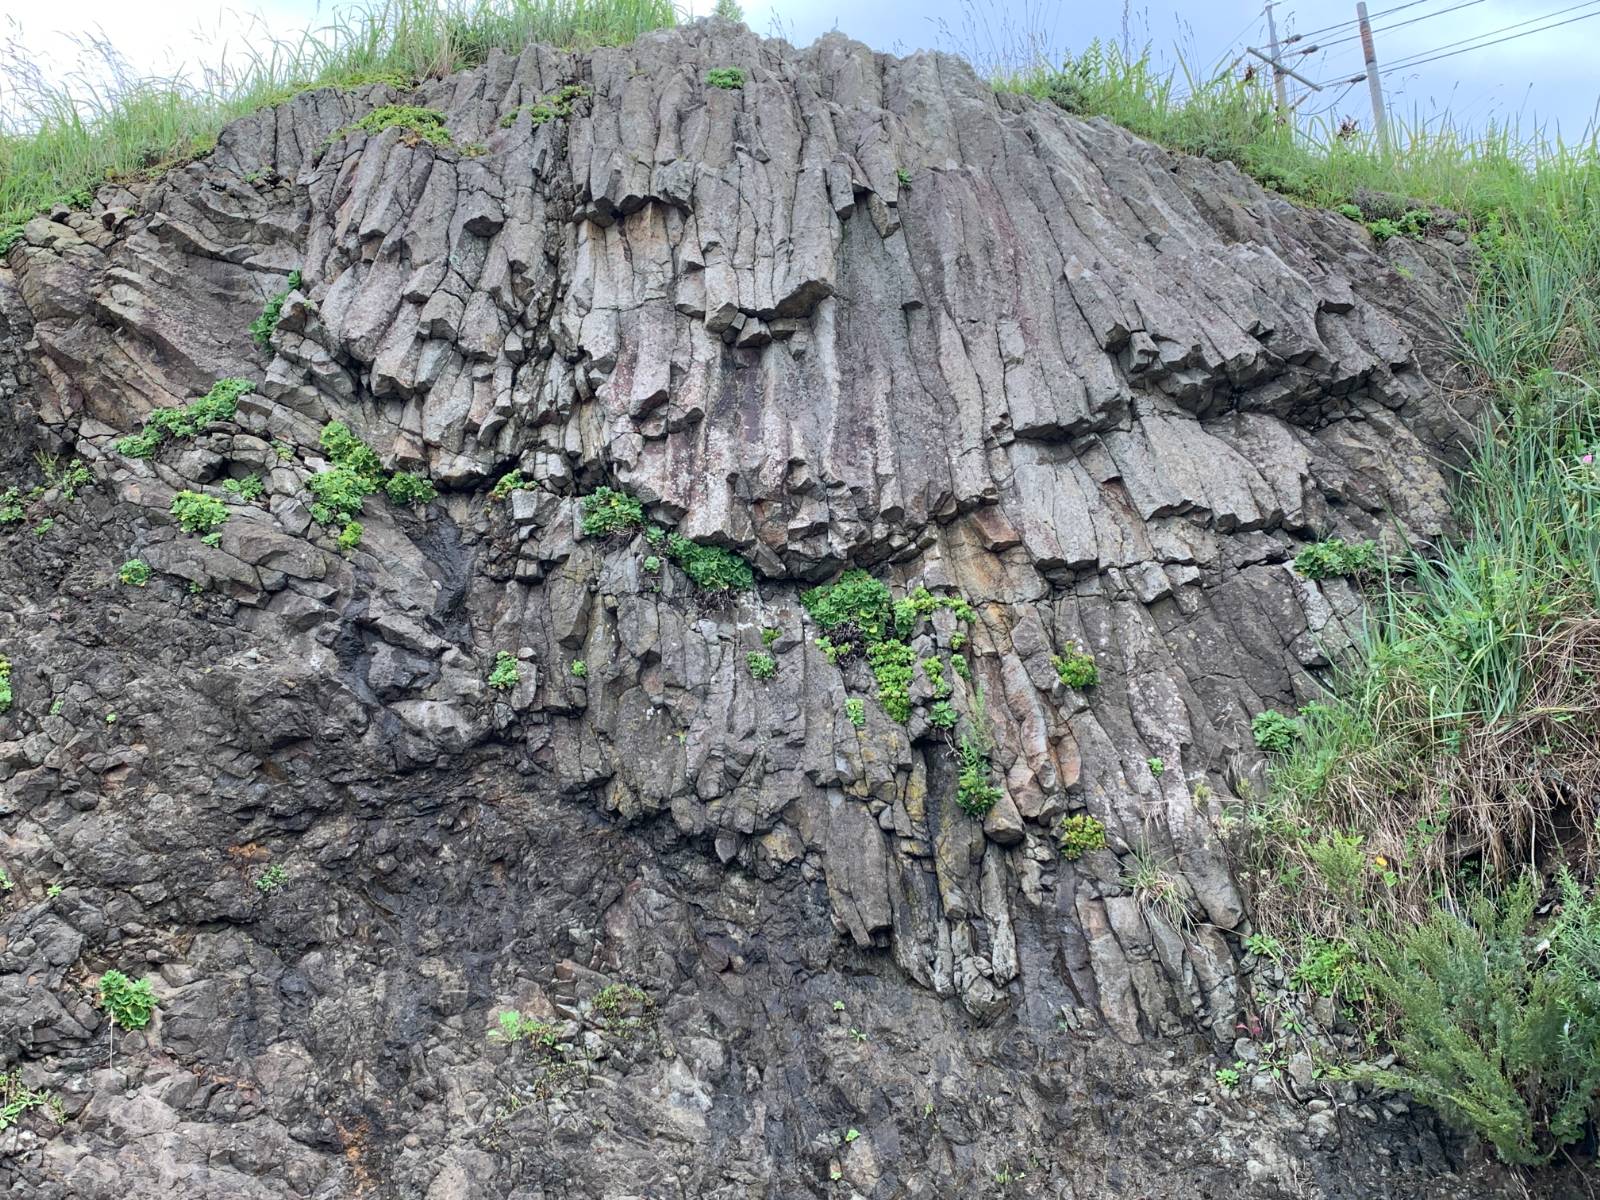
(273, 878)
(350, 536)
(903, 178)
(248, 488)
(974, 793)
(5, 881)
(1229, 1077)
(770, 635)
(418, 124)
(728, 78)
(855, 712)
(713, 569)
(892, 663)
(1497, 1025)
(261, 329)
(1335, 556)
(220, 404)
(16, 1098)
(651, 565)
(854, 608)
(1325, 967)
(580, 669)
(1274, 732)
(197, 513)
(129, 1004)
(513, 1027)
(11, 507)
(511, 481)
(405, 488)
(5, 684)
(607, 511)
(135, 573)
(556, 105)
(1076, 669)
(1157, 767)
(505, 675)
(1080, 834)
(942, 715)
(762, 665)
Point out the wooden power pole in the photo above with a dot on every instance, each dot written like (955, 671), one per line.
(1374, 85)
(1278, 88)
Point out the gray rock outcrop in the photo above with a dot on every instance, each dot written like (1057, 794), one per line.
(860, 313)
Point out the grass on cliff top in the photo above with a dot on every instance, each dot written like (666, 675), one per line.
(61, 140)
(1450, 777)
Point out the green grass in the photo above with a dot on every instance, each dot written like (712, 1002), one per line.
(60, 141)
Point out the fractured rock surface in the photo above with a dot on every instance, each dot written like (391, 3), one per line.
(861, 312)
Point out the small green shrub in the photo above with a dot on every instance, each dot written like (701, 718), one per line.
(273, 878)
(5, 881)
(130, 1004)
(762, 665)
(347, 450)
(903, 178)
(730, 79)
(248, 488)
(942, 715)
(505, 675)
(422, 124)
(350, 536)
(1348, 210)
(197, 513)
(1080, 834)
(557, 105)
(511, 481)
(221, 403)
(770, 635)
(1498, 1022)
(5, 684)
(339, 493)
(580, 669)
(1076, 669)
(515, 1027)
(854, 606)
(1274, 732)
(1322, 560)
(1157, 767)
(405, 488)
(44, 527)
(711, 568)
(892, 662)
(974, 793)
(855, 711)
(262, 327)
(1325, 967)
(651, 564)
(17, 1098)
(607, 511)
(135, 572)
(11, 507)
(923, 603)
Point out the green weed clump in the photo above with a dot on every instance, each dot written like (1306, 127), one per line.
(729, 79)
(1080, 834)
(1076, 669)
(418, 124)
(974, 793)
(16, 1098)
(249, 488)
(856, 608)
(505, 675)
(1497, 1020)
(761, 664)
(712, 568)
(1274, 732)
(135, 572)
(607, 511)
(5, 684)
(405, 488)
(130, 1004)
(558, 105)
(163, 424)
(1324, 560)
(197, 513)
(261, 329)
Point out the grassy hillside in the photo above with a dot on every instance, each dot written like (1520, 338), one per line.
(1426, 853)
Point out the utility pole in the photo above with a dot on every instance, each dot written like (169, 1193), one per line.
(1374, 84)
(1278, 87)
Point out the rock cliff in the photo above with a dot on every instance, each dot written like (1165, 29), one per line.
(857, 313)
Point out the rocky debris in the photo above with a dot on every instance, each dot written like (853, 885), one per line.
(1100, 391)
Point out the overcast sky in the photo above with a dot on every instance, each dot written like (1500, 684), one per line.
(1549, 77)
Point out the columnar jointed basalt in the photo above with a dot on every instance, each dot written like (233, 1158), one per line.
(859, 312)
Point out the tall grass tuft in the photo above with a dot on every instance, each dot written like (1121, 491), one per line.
(60, 140)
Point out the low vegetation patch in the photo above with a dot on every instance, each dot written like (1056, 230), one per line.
(261, 329)
(729, 79)
(135, 572)
(130, 1004)
(1076, 669)
(505, 675)
(416, 124)
(199, 513)
(762, 665)
(1080, 834)
(1324, 560)
(165, 424)
(5, 684)
(558, 105)
(17, 1098)
(356, 473)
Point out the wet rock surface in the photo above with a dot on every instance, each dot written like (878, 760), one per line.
(861, 312)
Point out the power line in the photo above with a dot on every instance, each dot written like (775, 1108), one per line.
(1417, 62)
(1503, 29)
(1300, 37)
(1397, 25)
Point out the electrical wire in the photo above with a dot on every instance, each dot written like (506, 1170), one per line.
(1300, 37)
(1417, 62)
(1397, 25)
(1493, 32)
